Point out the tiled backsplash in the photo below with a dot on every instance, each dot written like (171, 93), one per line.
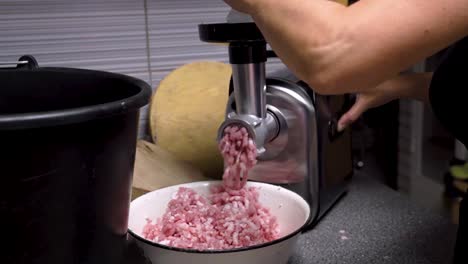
(143, 38)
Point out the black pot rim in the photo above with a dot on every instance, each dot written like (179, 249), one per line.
(184, 250)
(80, 114)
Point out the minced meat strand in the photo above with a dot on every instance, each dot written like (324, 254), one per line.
(240, 155)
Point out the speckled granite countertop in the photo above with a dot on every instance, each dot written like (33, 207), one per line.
(372, 224)
(380, 226)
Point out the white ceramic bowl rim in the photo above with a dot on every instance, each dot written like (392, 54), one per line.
(185, 250)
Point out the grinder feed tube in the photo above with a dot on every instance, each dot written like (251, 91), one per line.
(250, 100)
(249, 89)
(246, 129)
(248, 80)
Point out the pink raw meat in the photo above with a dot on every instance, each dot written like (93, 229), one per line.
(240, 155)
(225, 219)
(230, 217)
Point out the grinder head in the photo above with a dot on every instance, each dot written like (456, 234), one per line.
(247, 55)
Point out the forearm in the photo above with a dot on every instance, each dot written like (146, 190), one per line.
(338, 49)
(304, 34)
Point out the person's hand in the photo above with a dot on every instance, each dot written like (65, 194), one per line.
(411, 86)
(378, 96)
(244, 6)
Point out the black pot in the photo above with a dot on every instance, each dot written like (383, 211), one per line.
(67, 151)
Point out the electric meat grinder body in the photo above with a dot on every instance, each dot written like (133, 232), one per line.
(294, 128)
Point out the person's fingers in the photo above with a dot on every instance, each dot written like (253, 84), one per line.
(359, 107)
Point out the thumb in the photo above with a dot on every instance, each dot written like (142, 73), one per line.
(359, 107)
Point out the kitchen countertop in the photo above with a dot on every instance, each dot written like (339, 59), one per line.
(380, 226)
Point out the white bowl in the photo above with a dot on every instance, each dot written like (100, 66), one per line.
(291, 210)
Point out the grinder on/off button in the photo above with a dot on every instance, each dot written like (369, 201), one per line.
(333, 132)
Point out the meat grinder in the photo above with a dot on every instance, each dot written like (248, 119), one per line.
(294, 128)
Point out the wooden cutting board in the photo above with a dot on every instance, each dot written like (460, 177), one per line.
(186, 111)
(156, 168)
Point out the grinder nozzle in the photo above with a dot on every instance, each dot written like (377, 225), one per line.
(260, 130)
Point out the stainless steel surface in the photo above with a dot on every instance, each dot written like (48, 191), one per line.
(249, 89)
(297, 151)
(272, 127)
(291, 158)
(279, 142)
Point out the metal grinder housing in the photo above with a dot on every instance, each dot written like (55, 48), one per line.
(295, 129)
